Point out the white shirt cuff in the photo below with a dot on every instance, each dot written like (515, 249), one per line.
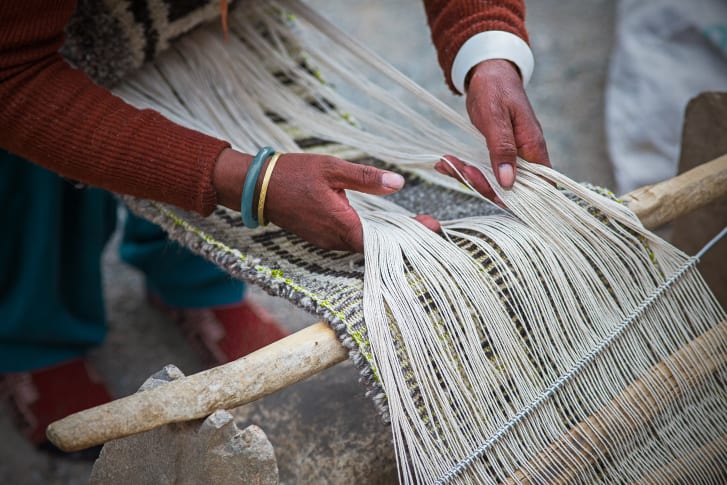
(493, 44)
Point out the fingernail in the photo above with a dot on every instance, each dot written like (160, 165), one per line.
(392, 180)
(507, 175)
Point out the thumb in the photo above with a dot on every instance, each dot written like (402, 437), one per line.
(364, 178)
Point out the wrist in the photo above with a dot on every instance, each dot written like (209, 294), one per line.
(493, 44)
(228, 177)
(500, 67)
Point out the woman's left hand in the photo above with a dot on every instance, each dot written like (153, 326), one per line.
(500, 109)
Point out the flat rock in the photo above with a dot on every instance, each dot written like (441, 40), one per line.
(213, 451)
(325, 430)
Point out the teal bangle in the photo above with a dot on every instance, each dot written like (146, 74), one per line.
(249, 218)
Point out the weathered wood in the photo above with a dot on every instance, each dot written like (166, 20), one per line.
(705, 124)
(252, 377)
(214, 451)
(661, 203)
(307, 352)
(632, 408)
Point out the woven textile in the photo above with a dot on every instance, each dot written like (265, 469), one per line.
(326, 283)
(534, 345)
(110, 39)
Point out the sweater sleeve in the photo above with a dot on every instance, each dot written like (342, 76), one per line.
(453, 22)
(55, 116)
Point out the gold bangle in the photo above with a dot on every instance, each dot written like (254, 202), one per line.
(264, 190)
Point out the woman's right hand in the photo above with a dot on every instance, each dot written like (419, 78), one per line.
(306, 195)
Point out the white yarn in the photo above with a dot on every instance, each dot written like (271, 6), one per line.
(549, 284)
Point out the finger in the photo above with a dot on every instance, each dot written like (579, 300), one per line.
(351, 230)
(429, 222)
(362, 178)
(473, 176)
(529, 135)
(493, 120)
(503, 154)
(354, 239)
(445, 169)
(478, 181)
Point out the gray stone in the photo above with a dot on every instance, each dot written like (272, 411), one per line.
(212, 451)
(167, 374)
(325, 430)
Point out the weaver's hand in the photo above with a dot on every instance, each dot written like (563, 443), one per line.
(500, 109)
(306, 195)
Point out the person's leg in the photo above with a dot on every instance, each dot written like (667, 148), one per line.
(204, 300)
(51, 301)
(173, 274)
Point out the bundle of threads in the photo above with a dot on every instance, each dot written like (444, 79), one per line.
(509, 347)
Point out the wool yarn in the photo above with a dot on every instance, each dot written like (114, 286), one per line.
(508, 348)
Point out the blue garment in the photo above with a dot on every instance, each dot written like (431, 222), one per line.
(51, 239)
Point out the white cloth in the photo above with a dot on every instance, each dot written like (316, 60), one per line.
(666, 52)
(493, 44)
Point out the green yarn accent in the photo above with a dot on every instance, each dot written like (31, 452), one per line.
(278, 275)
(274, 274)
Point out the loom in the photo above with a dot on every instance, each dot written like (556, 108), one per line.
(512, 348)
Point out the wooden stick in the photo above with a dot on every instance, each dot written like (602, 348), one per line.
(252, 377)
(658, 204)
(632, 408)
(302, 354)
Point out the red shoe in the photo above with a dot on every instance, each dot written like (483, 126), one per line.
(40, 397)
(224, 334)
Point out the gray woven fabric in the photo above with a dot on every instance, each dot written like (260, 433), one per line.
(326, 283)
(330, 284)
(111, 39)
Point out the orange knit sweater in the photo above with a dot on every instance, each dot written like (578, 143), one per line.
(452, 22)
(56, 116)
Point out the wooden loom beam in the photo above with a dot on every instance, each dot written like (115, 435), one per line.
(641, 401)
(315, 348)
(661, 203)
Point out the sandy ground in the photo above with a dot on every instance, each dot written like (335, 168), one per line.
(571, 40)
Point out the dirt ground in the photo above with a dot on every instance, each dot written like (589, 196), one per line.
(571, 40)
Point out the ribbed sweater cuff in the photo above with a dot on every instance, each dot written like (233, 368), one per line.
(453, 22)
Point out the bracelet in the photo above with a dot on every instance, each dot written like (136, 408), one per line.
(248, 187)
(264, 189)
